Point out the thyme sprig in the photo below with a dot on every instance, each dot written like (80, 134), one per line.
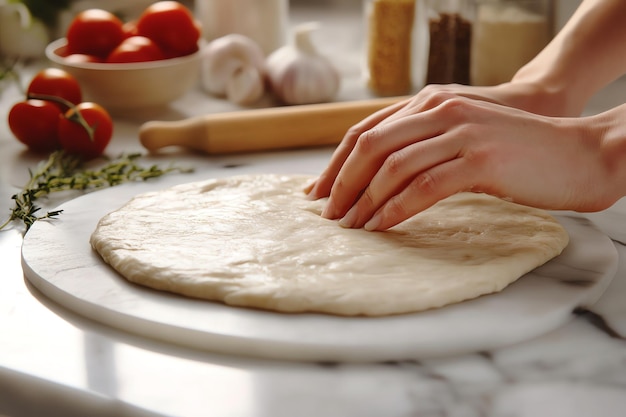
(65, 172)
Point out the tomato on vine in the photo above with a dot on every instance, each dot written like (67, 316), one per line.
(53, 117)
(85, 141)
(55, 82)
(35, 124)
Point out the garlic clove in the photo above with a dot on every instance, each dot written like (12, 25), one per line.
(233, 66)
(298, 74)
(246, 86)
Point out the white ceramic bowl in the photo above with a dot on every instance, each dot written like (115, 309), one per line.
(131, 85)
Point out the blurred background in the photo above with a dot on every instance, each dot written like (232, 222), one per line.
(437, 49)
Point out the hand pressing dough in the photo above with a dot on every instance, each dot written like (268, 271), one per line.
(256, 241)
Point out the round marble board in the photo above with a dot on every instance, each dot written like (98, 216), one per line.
(59, 261)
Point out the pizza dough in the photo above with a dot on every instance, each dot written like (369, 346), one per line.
(256, 241)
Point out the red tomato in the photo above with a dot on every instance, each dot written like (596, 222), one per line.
(136, 49)
(130, 29)
(35, 124)
(94, 32)
(55, 82)
(75, 139)
(172, 26)
(82, 59)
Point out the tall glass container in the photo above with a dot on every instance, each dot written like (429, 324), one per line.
(507, 35)
(264, 21)
(391, 65)
(449, 38)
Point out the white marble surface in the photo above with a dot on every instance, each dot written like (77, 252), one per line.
(80, 281)
(54, 362)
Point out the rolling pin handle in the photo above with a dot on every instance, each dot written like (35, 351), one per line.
(190, 133)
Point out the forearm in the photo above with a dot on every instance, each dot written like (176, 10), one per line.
(586, 55)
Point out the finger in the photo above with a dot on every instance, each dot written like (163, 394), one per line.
(397, 171)
(322, 186)
(426, 189)
(370, 152)
(427, 99)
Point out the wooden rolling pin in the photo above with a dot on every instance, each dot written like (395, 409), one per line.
(262, 129)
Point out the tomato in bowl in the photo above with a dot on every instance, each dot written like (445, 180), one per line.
(128, 85)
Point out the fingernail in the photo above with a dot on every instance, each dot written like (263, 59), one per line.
(349, 219)
(329, 210)
(373, 223)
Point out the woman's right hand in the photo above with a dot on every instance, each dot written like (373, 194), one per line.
(522, 96)
(404, 159)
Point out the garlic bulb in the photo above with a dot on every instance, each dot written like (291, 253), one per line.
(233, 66)
(298, 74)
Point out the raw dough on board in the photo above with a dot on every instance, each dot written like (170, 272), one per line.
(256, 241)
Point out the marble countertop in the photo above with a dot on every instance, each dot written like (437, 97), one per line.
(54, 362)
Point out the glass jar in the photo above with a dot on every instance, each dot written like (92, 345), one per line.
(449, 25)
(507, 35)
(264, 21)
(391, 56)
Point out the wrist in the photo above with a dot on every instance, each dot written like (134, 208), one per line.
(611, 133)
(541, 97)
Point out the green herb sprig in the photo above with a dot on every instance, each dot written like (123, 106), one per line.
(65, 172)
